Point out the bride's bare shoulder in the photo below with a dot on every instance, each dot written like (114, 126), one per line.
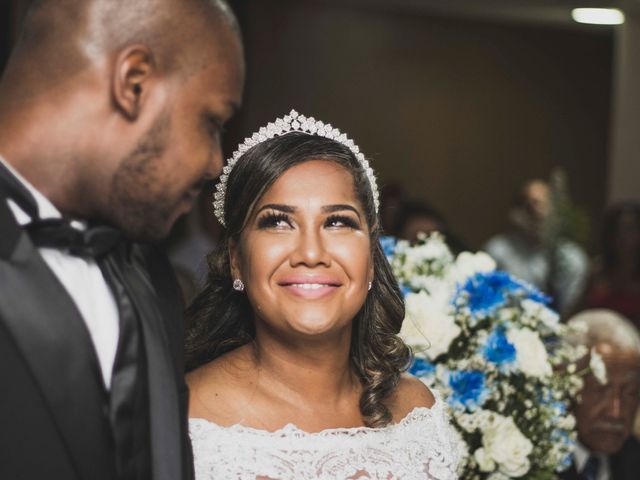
(216, 386)
(410, 393)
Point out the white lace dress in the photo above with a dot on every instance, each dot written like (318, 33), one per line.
(421, 446)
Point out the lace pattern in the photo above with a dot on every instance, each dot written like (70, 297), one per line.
(423, 445)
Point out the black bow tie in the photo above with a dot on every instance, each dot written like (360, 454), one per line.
(58, 233)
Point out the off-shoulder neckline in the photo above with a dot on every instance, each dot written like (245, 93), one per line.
(289, 428)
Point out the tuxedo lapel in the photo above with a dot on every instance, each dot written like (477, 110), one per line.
(570, 473)
(166, 437)
(49, 332)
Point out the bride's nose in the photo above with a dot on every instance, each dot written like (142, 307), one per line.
(310, 250)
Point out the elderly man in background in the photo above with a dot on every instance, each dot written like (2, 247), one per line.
(609, 402)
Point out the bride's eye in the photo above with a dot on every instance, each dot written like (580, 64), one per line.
(342, 221)
(278, 221)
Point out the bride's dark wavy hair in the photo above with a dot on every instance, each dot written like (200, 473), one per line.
(219, 319)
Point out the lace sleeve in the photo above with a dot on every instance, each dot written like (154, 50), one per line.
(444, 449)
(422, 446)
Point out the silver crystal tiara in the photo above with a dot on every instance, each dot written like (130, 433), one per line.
(294, 122)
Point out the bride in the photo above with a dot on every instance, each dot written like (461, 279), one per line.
(295, 363)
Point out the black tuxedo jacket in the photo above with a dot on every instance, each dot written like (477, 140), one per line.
(53, 422)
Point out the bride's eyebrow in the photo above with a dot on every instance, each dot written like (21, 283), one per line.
(291, 209)
(278, 207)
(340, 208)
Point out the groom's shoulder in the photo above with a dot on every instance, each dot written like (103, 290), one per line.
(410, 394)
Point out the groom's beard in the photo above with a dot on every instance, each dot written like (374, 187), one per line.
(138, 201)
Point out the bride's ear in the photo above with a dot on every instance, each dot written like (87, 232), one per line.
(234, 259)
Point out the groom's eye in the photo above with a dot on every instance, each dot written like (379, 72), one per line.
(214, 127)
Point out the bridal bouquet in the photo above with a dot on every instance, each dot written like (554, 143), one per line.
(488, 342)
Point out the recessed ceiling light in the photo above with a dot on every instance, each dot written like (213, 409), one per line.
(598, 16)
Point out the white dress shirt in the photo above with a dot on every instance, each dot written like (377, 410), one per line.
(581, 456)
(83, 281)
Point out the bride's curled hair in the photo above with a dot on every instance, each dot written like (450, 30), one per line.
(220, 319)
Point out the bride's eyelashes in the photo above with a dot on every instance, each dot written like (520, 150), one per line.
(341, 221)
(279, 220)
(276, 220)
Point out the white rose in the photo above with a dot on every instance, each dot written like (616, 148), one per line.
(430, 251)
(438, 290)
(435, 248)
(530, 352)
(507, 446)
(536, 311)
(485, 462)
(597, 366)
(427, 326)
(497, 476)
(468, 264)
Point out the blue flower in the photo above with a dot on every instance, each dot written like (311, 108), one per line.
(388, 245)
(487, 292)
(498, 349)
(421, 368)
(562, 437)
(405, 289)
(565, 463)
(560, 409)
(537, 296)
(469, 389)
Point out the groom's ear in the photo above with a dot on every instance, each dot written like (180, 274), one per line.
(131, 81)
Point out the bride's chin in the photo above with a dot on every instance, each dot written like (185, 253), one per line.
(313, 329)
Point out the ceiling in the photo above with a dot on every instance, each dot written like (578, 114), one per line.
(550, 12)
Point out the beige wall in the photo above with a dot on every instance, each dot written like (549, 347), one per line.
(459, 112)
(624, 180)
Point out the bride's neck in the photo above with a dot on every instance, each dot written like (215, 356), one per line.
(311, 372)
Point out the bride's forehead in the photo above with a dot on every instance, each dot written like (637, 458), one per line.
(312, 180)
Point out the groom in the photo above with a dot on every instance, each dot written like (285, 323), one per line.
(110, 121)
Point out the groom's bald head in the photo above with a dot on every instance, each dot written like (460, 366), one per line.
(127, 99)
(64, 36)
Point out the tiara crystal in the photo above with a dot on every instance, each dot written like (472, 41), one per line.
(294, 122)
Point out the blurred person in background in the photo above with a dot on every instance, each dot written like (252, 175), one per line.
(392, 197)
(615, 282)
(534, 251)
(415, 218)
(609, 399)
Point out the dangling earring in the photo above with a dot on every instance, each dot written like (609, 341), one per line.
(238, 286)
(369, 287)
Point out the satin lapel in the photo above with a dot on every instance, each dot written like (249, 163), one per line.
(163, 391)
(51, 335)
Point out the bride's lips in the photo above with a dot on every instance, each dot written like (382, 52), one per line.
(310, 286)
